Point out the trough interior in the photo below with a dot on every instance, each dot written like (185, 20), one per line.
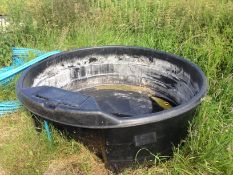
(162, 77)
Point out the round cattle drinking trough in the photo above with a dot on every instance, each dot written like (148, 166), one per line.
(126, 102)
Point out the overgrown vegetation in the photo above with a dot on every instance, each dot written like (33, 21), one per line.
(200, 30)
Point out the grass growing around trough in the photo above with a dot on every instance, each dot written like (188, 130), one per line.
(201, 31)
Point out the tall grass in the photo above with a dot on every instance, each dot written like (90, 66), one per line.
(201, 31)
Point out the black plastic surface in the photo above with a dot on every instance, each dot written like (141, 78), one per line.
(52, 90)
(51, 97)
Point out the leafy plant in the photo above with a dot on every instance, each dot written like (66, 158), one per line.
(5, 50)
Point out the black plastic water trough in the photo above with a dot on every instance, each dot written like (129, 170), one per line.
(119, 99)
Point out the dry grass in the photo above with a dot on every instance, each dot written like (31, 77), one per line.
(23, 151)
(81, 164)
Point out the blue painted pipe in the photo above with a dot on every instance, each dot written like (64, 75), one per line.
(18, 65)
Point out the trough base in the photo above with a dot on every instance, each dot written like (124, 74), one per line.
(121, 148)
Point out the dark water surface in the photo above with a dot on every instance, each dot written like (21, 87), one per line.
(127, 100)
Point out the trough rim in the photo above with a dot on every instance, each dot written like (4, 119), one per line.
(176, 111)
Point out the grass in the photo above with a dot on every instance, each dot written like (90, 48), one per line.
(201, 31)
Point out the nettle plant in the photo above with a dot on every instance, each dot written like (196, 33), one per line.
(5, 50)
